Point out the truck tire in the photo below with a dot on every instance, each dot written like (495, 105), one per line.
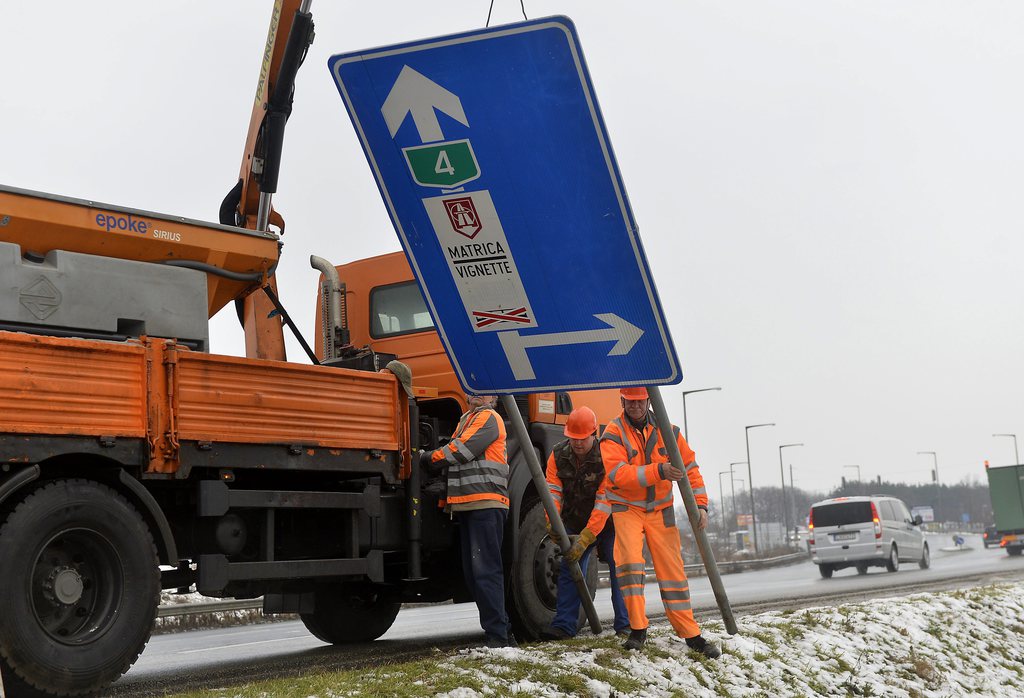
(533, 581)
(826, 570)
(1014, 550)
(862, 568)
(349, 612)
(81, 583)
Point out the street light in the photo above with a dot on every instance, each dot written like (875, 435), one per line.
(858, 470)
(732, 481)
(686, 434)
(782, 472)
(1016, 457)
(938, 490)
(750, 478)
(792, 497)
(721, 492)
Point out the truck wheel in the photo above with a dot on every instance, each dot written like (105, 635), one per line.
(81, 586)
(825, 570)
(893, 563)
(1015, 550)
(533, 582)
(862, 568)
(349, 612)
(926, 558)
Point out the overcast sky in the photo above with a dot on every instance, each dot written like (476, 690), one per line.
(829, 193)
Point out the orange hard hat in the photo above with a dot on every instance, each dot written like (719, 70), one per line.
(634, 393)
(582, 422)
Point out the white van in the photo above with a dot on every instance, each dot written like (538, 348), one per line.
(862, 532)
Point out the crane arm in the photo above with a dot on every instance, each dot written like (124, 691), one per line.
(248, 204)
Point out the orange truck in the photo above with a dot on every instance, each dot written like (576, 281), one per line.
(133, 460)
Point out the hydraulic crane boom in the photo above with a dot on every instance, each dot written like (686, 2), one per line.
(248, 204)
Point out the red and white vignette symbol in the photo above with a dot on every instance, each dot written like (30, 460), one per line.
(485, 318)
(463, 216)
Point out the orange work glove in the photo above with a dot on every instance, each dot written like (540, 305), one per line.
(585, 540)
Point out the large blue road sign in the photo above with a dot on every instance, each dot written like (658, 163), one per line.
(492, 158)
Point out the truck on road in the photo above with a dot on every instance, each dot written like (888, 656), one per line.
(1006, 488)
(134, 460)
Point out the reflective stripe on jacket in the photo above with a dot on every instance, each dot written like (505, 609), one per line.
(477, 460)
(578, 488)
(631, 459)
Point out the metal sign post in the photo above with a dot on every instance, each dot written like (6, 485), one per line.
(665, 427)
(541, 483)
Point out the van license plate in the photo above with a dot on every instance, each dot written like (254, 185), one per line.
(844, 536)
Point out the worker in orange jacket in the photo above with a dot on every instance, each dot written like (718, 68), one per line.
(640, 480)
(477, 495)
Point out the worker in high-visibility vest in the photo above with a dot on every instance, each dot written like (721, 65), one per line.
(575, 476)
(640, 480)
(477, 462)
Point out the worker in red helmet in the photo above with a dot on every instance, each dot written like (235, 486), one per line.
(575, 476)
(640, 480)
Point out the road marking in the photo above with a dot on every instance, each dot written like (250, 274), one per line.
(246, 644)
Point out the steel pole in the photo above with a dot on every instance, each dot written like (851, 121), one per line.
(792, 499)
(721, 492)
(732, 486)
(676, 458)
(686, 433)
(750, 479)
(541, 484)
(785, 513)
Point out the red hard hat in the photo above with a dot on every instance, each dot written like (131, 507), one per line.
(634, 393)
(582, 422)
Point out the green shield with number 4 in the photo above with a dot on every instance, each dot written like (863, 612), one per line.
(446, 165)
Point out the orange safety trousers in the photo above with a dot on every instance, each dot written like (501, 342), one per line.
(632, 526)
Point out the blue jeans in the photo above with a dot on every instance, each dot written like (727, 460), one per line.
(567, 608)
(480, 532)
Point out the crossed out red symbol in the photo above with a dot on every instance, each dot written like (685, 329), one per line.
(485, 318)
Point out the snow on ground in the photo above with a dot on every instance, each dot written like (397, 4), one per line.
(960, 643)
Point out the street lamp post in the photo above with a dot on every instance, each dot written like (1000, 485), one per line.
(792, 498)
(1016, 456)
(750, 479)
(686, 434)
(938, 490)
(782, 472)
(732, 481)
(858, 471)
(721, 492)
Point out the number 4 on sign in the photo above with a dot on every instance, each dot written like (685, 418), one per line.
(444, 165)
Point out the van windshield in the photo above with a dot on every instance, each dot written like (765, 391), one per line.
(842, 514)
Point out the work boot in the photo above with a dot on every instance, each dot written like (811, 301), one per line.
(493, 641)
(553, 633)
(636, 639)
(699, 644)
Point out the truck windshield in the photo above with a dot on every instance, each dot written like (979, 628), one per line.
(842, 514)
(398, 309)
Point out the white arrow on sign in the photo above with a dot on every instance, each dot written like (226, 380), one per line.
(623, 333)
(415, 94)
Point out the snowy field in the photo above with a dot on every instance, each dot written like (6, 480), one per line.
(960, 643)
